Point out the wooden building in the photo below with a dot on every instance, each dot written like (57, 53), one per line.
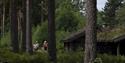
(111, 46)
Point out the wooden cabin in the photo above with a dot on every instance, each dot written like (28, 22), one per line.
(74, 41)
(113, 46)
(120, 41)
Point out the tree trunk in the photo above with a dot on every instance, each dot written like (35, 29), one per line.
(14, 26)
(42, 15)
(0, 27)
(29, 47)
(23, 26)
(19, 16)
(90, 40)
(3, 18)
(51, 31)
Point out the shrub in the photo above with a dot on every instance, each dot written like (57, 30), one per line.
(40, 33)
(112, 59)
(10, 57)
(5, 41)
(70, 57)
(62, 57)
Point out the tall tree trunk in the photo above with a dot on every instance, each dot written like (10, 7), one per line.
(51, 31)
(42, 15)
(14, 26)
(1, 20)
(4, 7)
(90, 40)
(28, 28)
(23, 26)
(0, 27)
(19, 16)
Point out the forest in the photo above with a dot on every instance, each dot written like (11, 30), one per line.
(62, 31)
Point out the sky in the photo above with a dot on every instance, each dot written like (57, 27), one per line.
(101, 4)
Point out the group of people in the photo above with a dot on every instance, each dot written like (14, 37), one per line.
(37, 46)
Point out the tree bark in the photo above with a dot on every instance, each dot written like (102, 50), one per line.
(14, 26)
(42, 15)
(1, 23)
(29, 47)
(51, 31)
(23, 26)
(90, 38)
(3, 18)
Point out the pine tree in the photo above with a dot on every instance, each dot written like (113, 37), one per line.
(90, 37)
(29, 47)
(14, 26)
(23, 26)
(51, 31)
(110, 12)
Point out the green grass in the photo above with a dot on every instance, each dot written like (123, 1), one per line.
(111, 34)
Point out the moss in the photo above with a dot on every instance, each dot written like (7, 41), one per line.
(111, 34)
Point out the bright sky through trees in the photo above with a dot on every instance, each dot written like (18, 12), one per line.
(101, 4)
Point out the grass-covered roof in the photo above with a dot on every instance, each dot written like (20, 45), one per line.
(112, 35)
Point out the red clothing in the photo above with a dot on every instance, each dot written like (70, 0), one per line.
(45, 45)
